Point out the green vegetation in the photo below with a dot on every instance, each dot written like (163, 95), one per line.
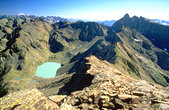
(33, 42)
(140, 59)
(126, 62)
(27, 43)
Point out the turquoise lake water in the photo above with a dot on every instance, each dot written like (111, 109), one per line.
(47, 70)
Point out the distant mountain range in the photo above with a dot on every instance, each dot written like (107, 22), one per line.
(54, 19)
(111, 22)
(106, 22)
(50, 19)
(163, 22)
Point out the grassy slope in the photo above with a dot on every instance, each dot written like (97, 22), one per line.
(33, 49)
(136, 63)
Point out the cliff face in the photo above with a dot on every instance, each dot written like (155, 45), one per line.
(107, 88)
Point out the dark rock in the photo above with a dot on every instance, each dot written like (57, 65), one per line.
(135, 101)
(161, 106)
(108, 105)
(142, 107)
(118, 104)
(137, 93)
(88, 30)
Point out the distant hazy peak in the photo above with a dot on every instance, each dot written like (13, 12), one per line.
(126, 16)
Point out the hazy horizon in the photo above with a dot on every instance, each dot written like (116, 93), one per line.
(97, 10)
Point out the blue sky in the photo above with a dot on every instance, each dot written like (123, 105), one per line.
(88, 9)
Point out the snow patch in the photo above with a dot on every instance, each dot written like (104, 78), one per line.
(164, 23)
(165, 49)
(19, 14)
(137, 40)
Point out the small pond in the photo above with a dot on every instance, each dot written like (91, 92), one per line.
(47, 70)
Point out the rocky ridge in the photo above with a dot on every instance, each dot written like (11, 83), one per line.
(110, 89)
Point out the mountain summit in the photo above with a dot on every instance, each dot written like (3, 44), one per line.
(126, 16)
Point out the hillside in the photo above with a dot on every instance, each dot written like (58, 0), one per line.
(114, 68)
(27, 43)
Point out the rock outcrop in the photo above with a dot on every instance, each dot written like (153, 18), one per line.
(112, 89)
(27, 100)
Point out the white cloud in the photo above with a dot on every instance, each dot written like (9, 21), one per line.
(19, 14)
(164, 23)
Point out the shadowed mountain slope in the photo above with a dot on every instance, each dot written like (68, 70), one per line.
(158, 34)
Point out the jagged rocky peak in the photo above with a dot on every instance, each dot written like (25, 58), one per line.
(130, 21)
(126, 16)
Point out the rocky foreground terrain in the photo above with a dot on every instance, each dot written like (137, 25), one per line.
(107, 88)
